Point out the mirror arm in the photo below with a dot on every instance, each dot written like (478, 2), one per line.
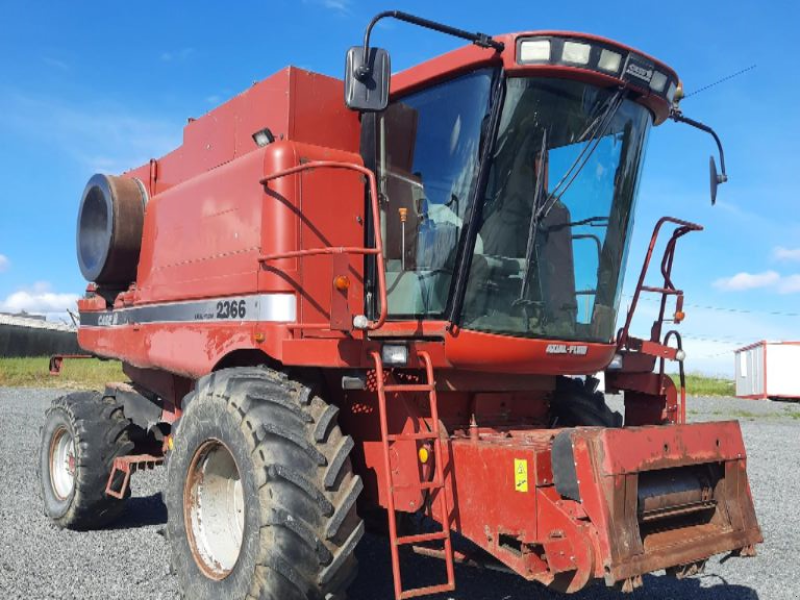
(677, 116)
(479, 39)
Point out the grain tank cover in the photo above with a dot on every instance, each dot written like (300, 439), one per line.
(109, 235)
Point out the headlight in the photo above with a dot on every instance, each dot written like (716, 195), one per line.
(576, 53)
(609, 61)
(394, 354)
(615, 364)
(659, 82)
(531, 51)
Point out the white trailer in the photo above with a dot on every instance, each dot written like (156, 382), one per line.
(768, 370)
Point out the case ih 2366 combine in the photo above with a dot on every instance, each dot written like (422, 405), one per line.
(377, 311)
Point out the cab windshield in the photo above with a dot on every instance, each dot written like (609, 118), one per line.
(570, 256)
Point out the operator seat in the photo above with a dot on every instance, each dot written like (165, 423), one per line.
(505, 236)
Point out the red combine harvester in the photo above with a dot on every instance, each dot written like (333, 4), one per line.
(387, 311)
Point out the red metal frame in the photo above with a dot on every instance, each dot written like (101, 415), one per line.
(211, 232)
(641, 354)
(128, 465)
(667, 289)
(566, 543)
(377, 251)
(468, 58)
(57, 360)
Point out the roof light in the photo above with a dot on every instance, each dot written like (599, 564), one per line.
(637, 70)
(609, 61)
(534, 51)
(576, 53)
(658, 82)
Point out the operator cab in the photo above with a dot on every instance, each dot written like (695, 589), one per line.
(507, 188)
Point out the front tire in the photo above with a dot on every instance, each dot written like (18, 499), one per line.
(260, 492)
(83, 433)
(577, 403)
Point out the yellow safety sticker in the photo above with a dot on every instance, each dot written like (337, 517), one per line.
(520, 474)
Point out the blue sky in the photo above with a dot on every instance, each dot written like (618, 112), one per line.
(103, 86)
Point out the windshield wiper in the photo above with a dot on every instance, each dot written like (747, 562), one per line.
(537, 197)
(590, 221)
(595, 132)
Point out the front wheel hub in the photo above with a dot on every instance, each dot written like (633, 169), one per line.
(213, 503)
(62, 463)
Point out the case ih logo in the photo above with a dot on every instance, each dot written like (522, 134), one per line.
(108, 319)
(640, 71)
(566, 349)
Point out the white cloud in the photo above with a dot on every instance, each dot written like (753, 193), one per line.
(100, 136)
(4, 263)
(177, 55)
(747, 281)
(789, 284)
(337, 4)
(783, 284)
(39, 299)
(789, 254)
(340, 6)
(54, 62)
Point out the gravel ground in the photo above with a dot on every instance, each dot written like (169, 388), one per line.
(129, 561)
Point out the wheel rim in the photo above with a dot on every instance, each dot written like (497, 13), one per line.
(62, 463)
(213, 503)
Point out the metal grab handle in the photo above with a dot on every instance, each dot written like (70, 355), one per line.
(377, 250)
(683, 227)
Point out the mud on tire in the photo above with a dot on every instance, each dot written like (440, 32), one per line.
(297, 522)
(83, 433)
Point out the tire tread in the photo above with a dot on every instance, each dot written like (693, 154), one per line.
(307, 491)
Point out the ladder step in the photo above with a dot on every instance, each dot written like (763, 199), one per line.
(411, 387)
(427, 485)
(423, 537)
(437, 484)
(422, 435)
(425, 591)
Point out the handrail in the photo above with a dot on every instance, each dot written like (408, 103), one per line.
(376, 251)
(683, 227)
(681, 416)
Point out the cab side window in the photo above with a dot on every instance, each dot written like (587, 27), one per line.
(428, 155)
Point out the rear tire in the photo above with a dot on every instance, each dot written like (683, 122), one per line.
(260, 492)
(83, 434)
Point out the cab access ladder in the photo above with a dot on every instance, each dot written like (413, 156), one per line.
(437, 485)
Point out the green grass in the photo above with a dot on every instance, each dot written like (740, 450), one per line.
(75, 373)
(787, 413)
(701, 385)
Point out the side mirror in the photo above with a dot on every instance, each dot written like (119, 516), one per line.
(366, 82)
(714, 179)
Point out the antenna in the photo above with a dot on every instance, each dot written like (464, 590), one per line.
(710, 85)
